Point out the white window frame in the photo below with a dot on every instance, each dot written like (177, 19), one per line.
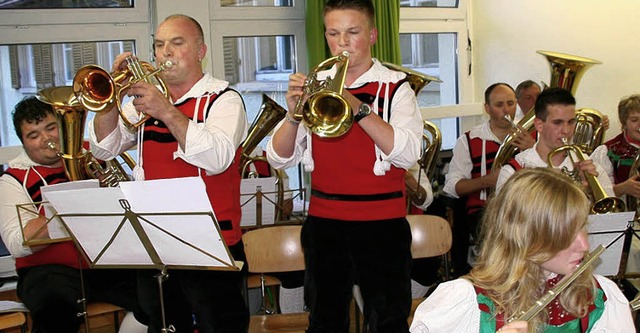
(446, 20)
(218, 12)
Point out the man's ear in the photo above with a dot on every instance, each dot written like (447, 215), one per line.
(537, 123)
(373, 36)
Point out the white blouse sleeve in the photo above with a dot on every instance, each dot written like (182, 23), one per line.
(453, 307)
(616, 317)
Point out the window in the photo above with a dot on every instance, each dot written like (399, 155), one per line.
(433, 41)
(61, 47)
(256, 3)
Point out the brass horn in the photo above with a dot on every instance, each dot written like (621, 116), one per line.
(417, 80)
(589, 132)
(78, 163)
(97, 90)
(268, 117)
(321, 106)
(566, 72)
(602, 203)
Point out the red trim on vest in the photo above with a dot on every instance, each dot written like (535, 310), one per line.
(474, 203)
(223, 189)
(62, 253)
(344, 165)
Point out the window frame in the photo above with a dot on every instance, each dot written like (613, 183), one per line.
(241, 13)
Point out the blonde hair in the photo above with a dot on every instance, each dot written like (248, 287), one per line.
(537, 213)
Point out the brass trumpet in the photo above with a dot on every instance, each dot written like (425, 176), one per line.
(97, 90)
(321, 106)
(602, 203)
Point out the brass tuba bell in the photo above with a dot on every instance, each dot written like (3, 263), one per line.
(321, 106)
(98, 90)
(269, 116)
(78, 163)
(566, 72)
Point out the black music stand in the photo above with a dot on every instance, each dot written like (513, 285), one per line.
(112, 235)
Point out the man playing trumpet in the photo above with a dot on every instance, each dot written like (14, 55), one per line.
(555, 123)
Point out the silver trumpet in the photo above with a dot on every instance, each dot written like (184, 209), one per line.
(551, 294)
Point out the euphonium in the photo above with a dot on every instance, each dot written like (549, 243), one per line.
(270, 114)
(602, 203)
(97, 89)
(589, 132)
(566, 72)
(78, 163)
(321, 106)
(551, 294)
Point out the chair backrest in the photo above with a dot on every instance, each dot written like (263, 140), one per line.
(431, 235)
(274, 249)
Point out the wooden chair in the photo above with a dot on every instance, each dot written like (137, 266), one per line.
(430, 237)
(275, 249)
(13, 320)
(101, 314)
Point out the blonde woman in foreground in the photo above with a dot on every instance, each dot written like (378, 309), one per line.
(534, 234)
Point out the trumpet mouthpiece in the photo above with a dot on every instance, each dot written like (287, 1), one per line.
(52, 145)
(167, 64)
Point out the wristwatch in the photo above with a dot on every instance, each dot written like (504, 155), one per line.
(363, 111)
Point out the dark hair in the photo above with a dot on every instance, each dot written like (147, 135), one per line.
(29, 110)
(489, 90)
(552, 96)
(365, 6)
(525, 85)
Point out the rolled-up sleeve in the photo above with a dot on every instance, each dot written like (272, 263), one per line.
(12, 194)
(406, 121)
(459, 168)
(212, 145)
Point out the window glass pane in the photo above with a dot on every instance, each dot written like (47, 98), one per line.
(434, 54)
(256, 3)
(261, 65)
(33, 67)
(429, 3)
(40, 4)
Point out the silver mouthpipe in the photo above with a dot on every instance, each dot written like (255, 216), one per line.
(513, 123)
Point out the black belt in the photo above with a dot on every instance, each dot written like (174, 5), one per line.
(357, 197)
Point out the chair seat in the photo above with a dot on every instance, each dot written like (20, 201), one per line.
(290, 322)
(100, 308)
(253, 281)
(12, 320)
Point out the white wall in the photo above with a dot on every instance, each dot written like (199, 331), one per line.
(506, 35)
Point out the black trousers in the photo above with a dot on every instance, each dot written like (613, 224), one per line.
(211, 300)
(374, 254)
(51, 293)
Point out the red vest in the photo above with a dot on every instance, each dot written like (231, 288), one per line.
(62, 253)
(223, 189)
(621, 153)
(474, 202)
(344, 186)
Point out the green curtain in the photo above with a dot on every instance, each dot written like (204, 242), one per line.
(387, 48)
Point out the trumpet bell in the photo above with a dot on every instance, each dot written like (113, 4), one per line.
(95, 88)
(328, 114)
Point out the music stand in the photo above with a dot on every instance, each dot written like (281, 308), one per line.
(110, 231)
(608, 230)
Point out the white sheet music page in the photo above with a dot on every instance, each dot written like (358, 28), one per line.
(248, 189)
(56, 229)
(172, 213)
(605, 229)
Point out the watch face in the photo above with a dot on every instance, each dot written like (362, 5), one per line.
(365, 109)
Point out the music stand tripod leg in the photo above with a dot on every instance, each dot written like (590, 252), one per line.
(163, 276)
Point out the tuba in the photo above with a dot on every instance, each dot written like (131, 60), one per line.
(589, 132)
(566, 72)
(78, 163)
(97, 90)
(321, 106)
(268, 117)
(602, 203)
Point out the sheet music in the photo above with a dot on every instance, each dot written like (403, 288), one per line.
(604, 229)
(55, 226)
(248, 189)
(185, 239)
